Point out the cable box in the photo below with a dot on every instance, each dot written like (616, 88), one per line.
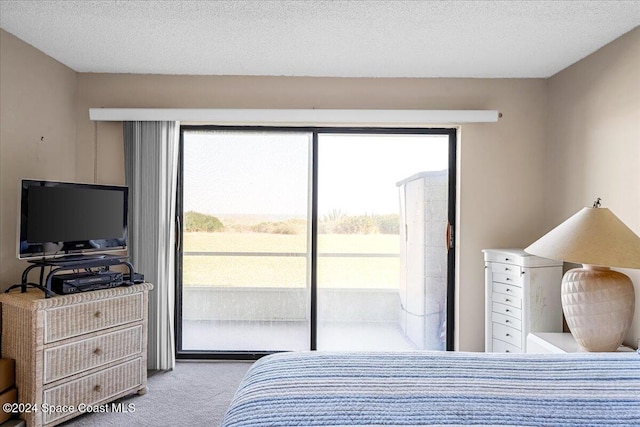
(86, 281)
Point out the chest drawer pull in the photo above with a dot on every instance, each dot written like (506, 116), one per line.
(98, 351)
(98, 314)
(97, 388)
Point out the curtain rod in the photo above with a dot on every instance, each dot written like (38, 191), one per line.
(311, 117)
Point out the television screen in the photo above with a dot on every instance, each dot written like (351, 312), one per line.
(62, 218)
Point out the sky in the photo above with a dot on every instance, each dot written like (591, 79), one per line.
(268, 174)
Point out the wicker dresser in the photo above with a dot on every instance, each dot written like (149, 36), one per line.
(75, 351)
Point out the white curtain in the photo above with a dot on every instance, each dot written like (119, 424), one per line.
(151, 170)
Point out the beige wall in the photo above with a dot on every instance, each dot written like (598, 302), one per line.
(508, 172)
(502, 165)
(37, 134)
(594, 140)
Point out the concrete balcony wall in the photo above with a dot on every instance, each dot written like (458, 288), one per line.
(286, 304)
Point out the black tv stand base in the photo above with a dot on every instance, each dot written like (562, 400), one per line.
(73, 262)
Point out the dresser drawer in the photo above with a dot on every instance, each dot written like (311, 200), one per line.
(503, 347)
(507, 310)
(498, 267)
(507, 278)
(73, 320)
(95, 388)
(65, 360)
(503, 257)
(512, 301)
(507, 320)
(507, 334)
(514, 291)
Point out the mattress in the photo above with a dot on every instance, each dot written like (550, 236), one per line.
(438, 388)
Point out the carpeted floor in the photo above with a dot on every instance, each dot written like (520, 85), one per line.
(193, 394)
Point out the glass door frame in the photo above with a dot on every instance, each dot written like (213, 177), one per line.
(315, 132)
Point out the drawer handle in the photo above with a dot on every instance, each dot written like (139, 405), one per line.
(507, 335)
(509, 290)
(507, 300)
(507, 259)
(508, 279)
(98, 314)
(505, 321)
(98, 351)
(97, 388)
(507, 310)
(507, 351)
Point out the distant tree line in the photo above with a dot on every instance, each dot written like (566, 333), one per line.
(335, 222)
(360, 224)
(196, 221)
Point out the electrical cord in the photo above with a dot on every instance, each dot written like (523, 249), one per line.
(48, 292)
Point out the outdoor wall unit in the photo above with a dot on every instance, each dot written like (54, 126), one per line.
(423, 258)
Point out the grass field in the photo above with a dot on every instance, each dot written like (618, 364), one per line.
(290, 271)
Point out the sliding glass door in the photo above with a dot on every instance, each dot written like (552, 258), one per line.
(328, 239)
(245, 242)
(382, 261)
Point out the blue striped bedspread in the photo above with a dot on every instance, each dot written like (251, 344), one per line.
(438, 388)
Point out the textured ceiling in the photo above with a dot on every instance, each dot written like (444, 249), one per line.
(320, 38)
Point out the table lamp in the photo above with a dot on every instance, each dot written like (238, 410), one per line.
(597, 302)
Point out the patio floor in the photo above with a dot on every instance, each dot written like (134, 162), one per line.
(281, 335)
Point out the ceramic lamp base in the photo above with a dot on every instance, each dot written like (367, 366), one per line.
(598, 304)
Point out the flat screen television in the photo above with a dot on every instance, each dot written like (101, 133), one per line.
(63, 218)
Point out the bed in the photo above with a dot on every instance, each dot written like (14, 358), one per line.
(438, 388)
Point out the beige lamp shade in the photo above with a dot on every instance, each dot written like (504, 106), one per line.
(593, 236)
(598, 303)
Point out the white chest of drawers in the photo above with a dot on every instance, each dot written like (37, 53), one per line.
(522, 295)
(75, 350)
